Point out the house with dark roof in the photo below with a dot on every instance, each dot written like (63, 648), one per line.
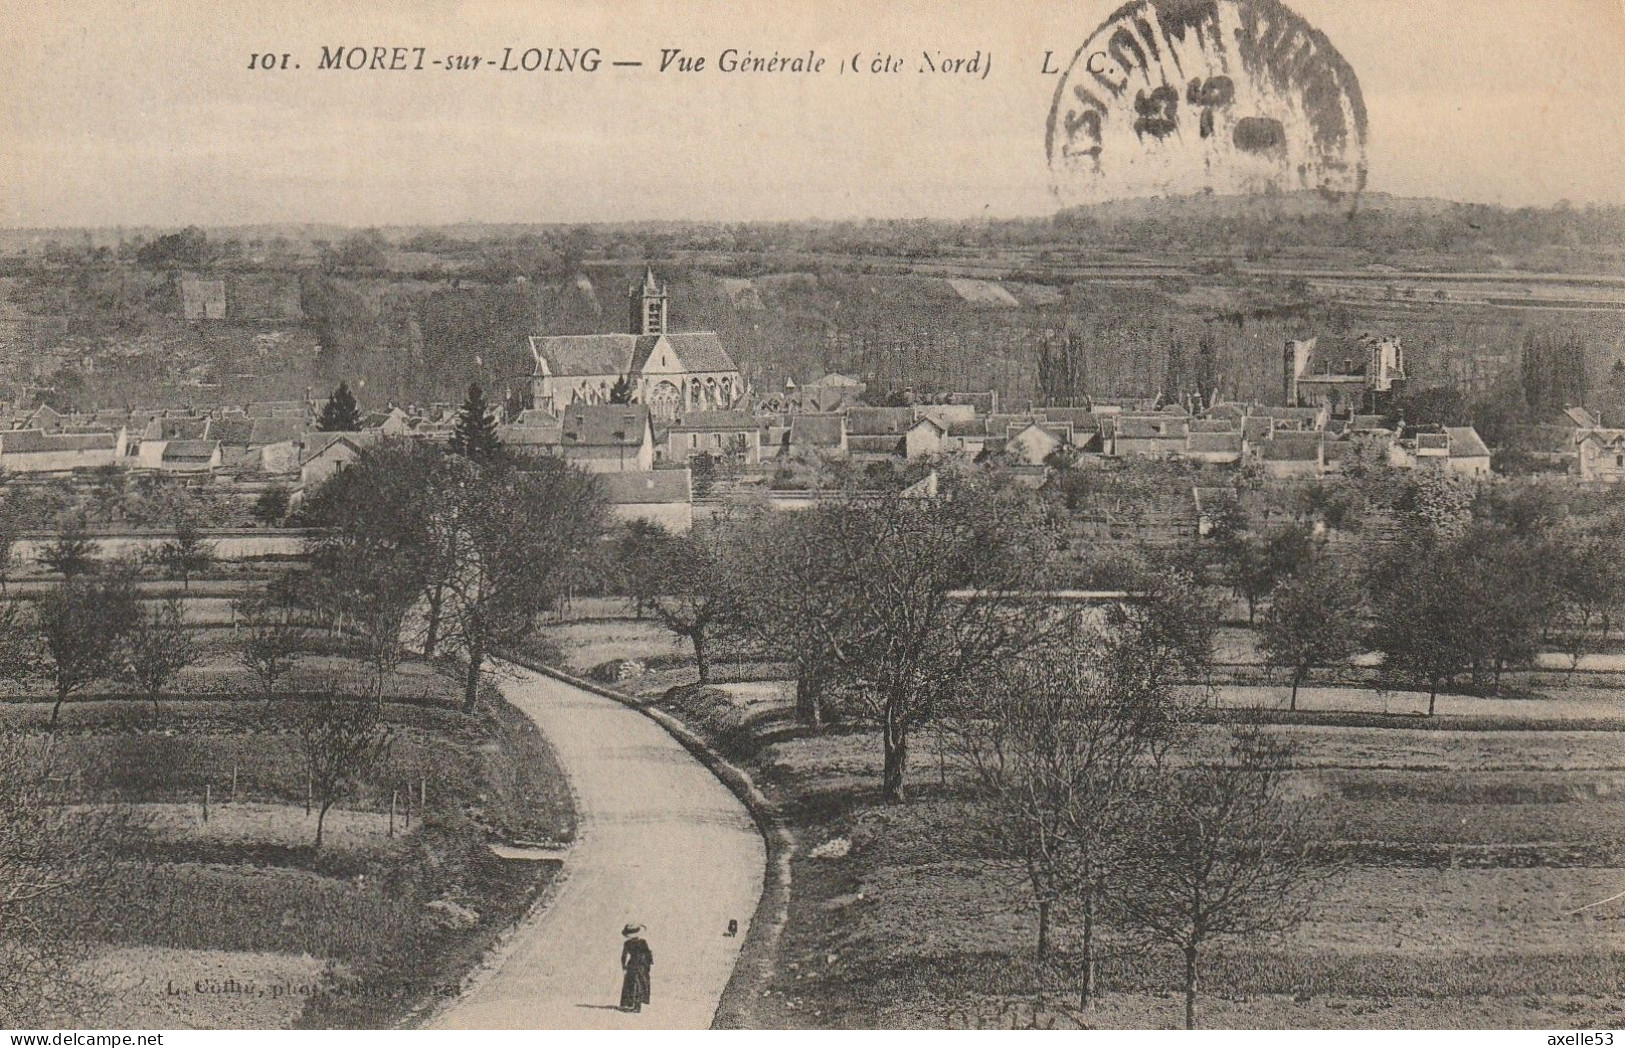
(1157, 436)
(608, 438)
(670, 371)
(190, 456)
(1342, 376)
(1293, 453)
(328, 453)
(532, 439)
(662, 496)
(733, 435)
(35, 451)
(1034, 443)
(277, 409)
(820, 435)
(1469, 455)
(1221, 448)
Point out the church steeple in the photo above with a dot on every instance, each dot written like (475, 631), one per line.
(648, 305)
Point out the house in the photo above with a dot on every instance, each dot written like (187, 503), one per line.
(1469, 455)
(670, 372)
(879, 422)
(820, 435)
(608, 438)
(189, 456)
(732, 435)
(830, 393)
(277, 409)
(1601, 455)
(44, 418)
(1431, 450)
(34, 451)
(1157, 436)
(927, 438)
(392, 423)
(662, 496)
(1034, 443)
(1223, 448)
(177, 427)
(1293, 453)
(328, 453)
(533, 439)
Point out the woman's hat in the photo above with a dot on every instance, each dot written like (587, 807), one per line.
(632, 929)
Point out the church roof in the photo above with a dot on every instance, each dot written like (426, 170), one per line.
(616, 354)
(697, 350)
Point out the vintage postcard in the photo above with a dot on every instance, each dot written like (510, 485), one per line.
(859, 514)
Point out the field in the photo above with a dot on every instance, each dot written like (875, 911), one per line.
(1479, 842)
(237, 921)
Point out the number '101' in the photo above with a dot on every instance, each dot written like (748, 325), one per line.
(269, 61)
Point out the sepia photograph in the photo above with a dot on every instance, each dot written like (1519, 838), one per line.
(862, 515)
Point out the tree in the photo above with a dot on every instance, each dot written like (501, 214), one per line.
(157, 649)
(340, 414)
(474, 433)
(639, 540)
(186, 552)
(1310, 623)
(72, 553)
(1256, 563)
(511, 543)
(271, 506)
(189, 247)
(1059, 742)
(1510, 592)
(1425, 627)
(345, 742)
(934, 596)
(82, 625)
(1217, 852)
(366, 250)
(375, 556)
(692, 590)
(1553, 362)
(790, 591)
(622, 392)
(272, 637)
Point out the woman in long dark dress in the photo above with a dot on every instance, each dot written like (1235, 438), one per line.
(636, 960)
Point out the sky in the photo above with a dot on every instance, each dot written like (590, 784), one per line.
(119, 112)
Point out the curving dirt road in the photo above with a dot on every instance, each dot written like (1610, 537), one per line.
(661, 842)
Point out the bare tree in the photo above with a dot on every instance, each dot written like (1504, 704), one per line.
(158, 647)
(1217, 852)
(692, 589)
(937, 590)
(345, 742)
(789, 593)
(273, 636)
(516, 541)
(1060, 743)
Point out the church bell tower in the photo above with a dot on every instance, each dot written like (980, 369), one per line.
(648, 305)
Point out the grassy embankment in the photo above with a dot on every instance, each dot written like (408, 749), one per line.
(239, 922)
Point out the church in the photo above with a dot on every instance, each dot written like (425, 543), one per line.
(673, 372)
